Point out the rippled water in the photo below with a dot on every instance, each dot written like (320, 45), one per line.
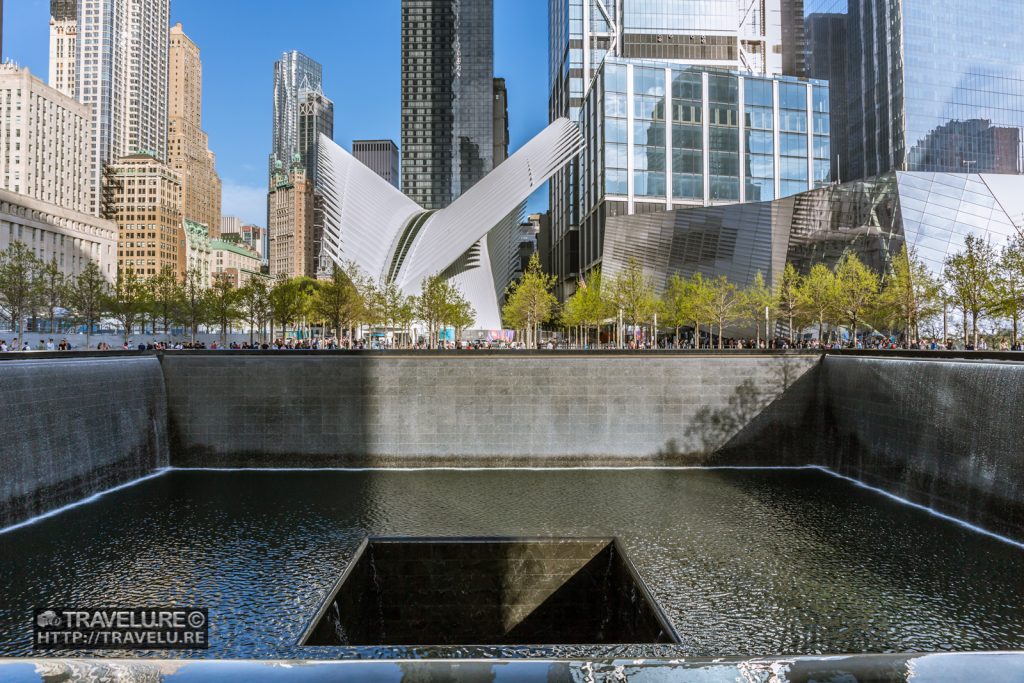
(745, 563)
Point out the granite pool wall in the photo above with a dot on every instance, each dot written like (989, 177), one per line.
(70, 428)
(944, 432)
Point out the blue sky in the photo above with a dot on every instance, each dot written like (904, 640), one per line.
(357, 41)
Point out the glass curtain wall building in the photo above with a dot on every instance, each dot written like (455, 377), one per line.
(447, 98)
(294, 74)
(663, 136)
(744, 36)
(920, 85)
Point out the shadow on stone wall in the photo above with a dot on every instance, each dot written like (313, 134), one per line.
(765, 422)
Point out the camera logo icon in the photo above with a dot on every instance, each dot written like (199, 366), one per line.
(48, 618)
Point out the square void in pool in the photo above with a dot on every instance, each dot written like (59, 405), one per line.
(489, 591)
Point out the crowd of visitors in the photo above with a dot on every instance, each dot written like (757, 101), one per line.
(347, 344)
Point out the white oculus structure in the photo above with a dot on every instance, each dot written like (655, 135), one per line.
(366, 221)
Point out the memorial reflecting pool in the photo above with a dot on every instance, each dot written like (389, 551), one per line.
(743, 562)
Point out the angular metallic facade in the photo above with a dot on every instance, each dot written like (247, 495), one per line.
(930, 212)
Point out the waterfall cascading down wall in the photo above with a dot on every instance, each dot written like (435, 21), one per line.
(75, 427)
(946, 434)
(943, 433)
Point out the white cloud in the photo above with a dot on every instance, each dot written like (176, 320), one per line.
(248, 202)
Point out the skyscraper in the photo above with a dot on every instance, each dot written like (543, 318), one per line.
(316, 117)
(45, 144)
(291, 203)
(190, 155)
(447, 91)
(63, 45)
(144, 198)
(500, 134)
(711, 35)
(294, 74)
(380, 156)
(120, 70)
(922, 86)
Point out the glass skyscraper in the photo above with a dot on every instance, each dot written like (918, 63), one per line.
(447, 98)
(663, 136)
(758, 38)
(294, 75)
(920, 85)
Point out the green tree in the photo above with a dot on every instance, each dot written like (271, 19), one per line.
(290, 300)
(674, 304)
(633, 295)
(589, 305)
(194, 301)
(405, 314)
(388, 301)
(970, 276)
(1009, 285)
(787, 298)
(21, 284)
(254, 305)
(909, 294)
(85, 297)
(336, 301)
(695, 301)
(724, 304)
(529, 302)
(224, 304)
(127, 301)
(364, 309)
(460, 315)
(54, 285)
(165, 296)
(855, 290)
(817, 296)
(757, 298)
(433, 297)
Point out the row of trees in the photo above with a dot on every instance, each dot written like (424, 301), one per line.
(349, 299)
(980, 282)
(30, 288)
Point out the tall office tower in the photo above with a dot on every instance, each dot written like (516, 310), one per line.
(316, 117)
(294, 74)
(927, 87)
(144, 198)
(44, 141)
(291, 205)
(794, 51)
(500, 121)
(190, 155)
(826, 42)
(121, 71)
(380, 156)
(63, 45)
(447, 91)
(737, 35)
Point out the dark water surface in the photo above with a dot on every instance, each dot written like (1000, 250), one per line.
(744, 562)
